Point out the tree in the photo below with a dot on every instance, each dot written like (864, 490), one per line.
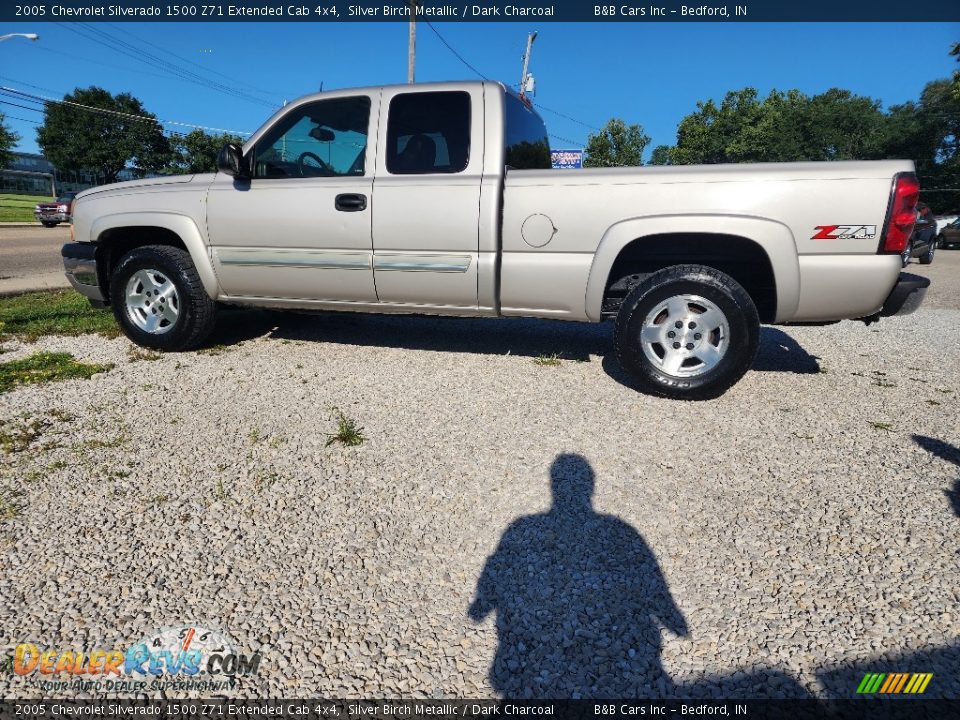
(955, 51)
(661, 155)
(8, 138)
(783, 127)
(104, 141)
(615, 145)
(197, 151)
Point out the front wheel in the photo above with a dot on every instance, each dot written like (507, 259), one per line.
(687, 332)
(158, 299)
(927, 257)
(48, 223)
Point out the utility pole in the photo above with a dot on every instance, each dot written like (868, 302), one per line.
(526, 63)
(412, 45)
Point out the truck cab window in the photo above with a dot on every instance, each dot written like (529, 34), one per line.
(528, 147)
(322, 139)
(428, 132)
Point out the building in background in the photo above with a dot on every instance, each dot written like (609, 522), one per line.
(33, 174)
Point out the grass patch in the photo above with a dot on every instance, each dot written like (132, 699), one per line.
(880, 382)
(136, 353)
(46, 367)
(19, 208)
(10, 506)
(215, 350)
(547, 360)
(881, 425)
(347, 432)
(17, 438)
(56, 312)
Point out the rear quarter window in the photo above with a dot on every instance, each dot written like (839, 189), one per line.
(527, 143)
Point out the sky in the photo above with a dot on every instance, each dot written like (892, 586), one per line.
(649, 74)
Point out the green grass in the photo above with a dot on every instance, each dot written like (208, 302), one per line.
(58, 312)
(45, 367)
(881, 425)
(347, 431)
(19, 208)
(10, 505)
(547, 360)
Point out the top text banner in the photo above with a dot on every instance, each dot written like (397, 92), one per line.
(526, 11)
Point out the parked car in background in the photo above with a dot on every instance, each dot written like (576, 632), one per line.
(51, 214)
(923, 239)
(949, 236)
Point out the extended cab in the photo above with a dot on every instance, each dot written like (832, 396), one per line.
(439, 198)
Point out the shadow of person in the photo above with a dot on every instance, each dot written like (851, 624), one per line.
(950, 453)
(579, 601)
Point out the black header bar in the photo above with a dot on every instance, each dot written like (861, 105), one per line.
(526, 11)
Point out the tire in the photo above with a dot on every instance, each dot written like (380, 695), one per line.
(680, 294)
(927, 257)
(905, 255)
(48, 224)
(158, 299)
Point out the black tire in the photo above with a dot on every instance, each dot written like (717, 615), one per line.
(676, 283)
(905, 255)
(927, 257)
(48, 224)
(196, 312)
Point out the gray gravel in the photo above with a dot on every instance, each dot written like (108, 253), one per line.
(779, 541)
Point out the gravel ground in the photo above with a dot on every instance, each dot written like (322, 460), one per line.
(506, 527)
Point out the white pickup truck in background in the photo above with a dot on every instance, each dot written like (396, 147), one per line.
(439, 198)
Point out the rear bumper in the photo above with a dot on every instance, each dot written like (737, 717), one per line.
(80, 266)
(907, 295)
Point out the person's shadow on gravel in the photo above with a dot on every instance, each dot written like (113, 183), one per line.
(948, 452)
(579, 600)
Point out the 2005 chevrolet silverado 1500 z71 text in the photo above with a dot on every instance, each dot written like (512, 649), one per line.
(439, 198)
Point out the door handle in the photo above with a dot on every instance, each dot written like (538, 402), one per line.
(351, 202)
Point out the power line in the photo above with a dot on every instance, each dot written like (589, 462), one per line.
(450, 48)
(195, 64)
(566, 117)
(19, 94)
(118, 45)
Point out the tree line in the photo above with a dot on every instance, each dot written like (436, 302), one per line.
(94, 130)
(793, 126)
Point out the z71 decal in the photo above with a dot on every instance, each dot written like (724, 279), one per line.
(844, 232)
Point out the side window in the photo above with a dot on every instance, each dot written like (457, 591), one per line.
(323, 139)
(528, 147)
(428, 132)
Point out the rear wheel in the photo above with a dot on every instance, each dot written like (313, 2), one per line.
(158, 299)
(927, 257)
(687, 332)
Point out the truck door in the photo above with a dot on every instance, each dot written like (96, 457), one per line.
(426, 224)
(300, 226)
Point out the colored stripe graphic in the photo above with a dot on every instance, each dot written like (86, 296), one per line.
(894, 683)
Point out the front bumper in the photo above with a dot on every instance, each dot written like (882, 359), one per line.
(907, 295)
(52, 217)
(80, 266)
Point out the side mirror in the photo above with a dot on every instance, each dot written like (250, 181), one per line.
(230, 161)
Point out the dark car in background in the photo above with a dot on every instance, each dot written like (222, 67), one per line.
(51, 214)
(923, 241)
(949, 236)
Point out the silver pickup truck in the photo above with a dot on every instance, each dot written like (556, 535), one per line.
(439, 198)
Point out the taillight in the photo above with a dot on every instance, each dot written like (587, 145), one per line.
(902, 214)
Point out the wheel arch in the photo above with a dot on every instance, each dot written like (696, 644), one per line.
(666, 240)
(117, 234)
